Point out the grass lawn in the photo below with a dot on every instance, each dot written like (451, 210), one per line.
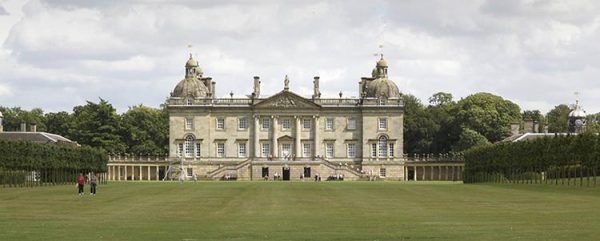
(301, 211)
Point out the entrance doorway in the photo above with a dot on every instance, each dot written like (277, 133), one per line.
(286, 173)
(265, 172)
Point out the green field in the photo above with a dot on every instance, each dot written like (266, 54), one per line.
(301, 211)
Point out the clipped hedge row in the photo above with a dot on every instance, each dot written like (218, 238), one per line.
(29, 156)
(551, 156)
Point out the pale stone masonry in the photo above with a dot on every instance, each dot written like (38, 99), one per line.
(287, 134)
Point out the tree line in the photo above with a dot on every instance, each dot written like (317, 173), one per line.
(140, 130)
(443, 125)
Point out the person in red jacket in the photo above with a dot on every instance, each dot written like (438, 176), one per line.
(80, 182)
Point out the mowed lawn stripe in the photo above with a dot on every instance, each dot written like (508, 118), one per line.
(301, 211)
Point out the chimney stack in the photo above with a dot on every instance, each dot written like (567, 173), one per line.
(33, 127)
(23, 127)
(514, 128)
(316, 91)
(256, 92)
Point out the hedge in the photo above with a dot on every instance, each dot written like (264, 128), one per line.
(31, 156)
(561, 156)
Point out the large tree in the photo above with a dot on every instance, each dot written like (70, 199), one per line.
(558, 119)
(13, 117)
(145, 130)
(97, 125)
(419, 129)
(489, 115)
(59, 123)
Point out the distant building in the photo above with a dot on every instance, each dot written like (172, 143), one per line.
(531, 131)
(33, 135)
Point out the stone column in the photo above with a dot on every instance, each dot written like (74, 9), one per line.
(157, 167)
(256, 134)
(148, 170)
(298, 149)
(275, 147)
(423, 174)
(317, 140)
(125, 167)
(415, 173)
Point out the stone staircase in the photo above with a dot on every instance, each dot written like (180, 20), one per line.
(347, 169)
(219, 172)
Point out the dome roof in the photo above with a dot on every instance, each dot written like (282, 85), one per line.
(190, 87)
(382, 87)
(577, 112)
(382, 62)
(191, 62)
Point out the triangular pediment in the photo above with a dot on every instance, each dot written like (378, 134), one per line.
(286, 99)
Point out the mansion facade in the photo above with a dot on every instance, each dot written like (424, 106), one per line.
(286, 135)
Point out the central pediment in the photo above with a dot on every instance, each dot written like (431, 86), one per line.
(286, 99)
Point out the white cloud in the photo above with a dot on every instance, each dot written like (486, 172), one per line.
(535, 53)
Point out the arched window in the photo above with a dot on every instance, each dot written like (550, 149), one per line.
(189, 146)
(383, 146)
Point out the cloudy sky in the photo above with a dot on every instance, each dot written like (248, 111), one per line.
(537, 53)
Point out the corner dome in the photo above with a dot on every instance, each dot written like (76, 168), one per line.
(382, 63)
(383, 87)
(190, 87)
(577, 112)
(191, 62)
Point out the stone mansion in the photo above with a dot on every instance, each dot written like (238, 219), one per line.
(286, 134)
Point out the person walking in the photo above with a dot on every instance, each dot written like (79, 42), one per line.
(93, 182)
(80, 182)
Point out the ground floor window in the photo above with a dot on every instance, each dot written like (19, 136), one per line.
(220, 149)
(307, 172)
(190, 172)
(382, 172)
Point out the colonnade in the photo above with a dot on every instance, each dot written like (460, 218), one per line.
(433, 172)
(135, 172)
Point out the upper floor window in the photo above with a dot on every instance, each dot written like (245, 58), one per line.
(243, 123)
(329, 124)
(351, 124)
(189, 146)
(220, 123)
(266, 150)
(220, 149)
(179, 149)
(307, 150)
(306, 123)
(351, 150)
(190, 101)
(242, 149)
(374, 150)
(391, 150)
(383, 145)
(329, 150)
(189, 123)
(197, 149)
(383, 123)
(266, 123)
(285, 124)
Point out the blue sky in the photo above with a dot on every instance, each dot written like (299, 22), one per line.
(58, 54)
